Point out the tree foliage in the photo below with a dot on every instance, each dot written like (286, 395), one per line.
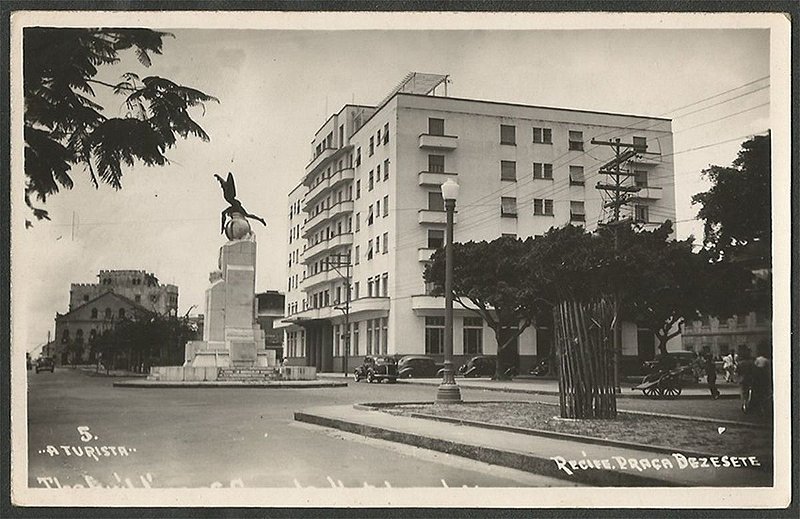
(737, 209)
(495, 278)
(65, 126)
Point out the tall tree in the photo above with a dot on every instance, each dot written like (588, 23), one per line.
(64, 124)
(737, 209)
(494, 278)
(667, 283)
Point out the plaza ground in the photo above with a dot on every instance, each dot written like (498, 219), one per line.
(248, 437)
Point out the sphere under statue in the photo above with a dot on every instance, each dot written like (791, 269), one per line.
(237, 227)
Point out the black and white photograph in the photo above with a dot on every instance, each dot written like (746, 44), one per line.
(398, 259)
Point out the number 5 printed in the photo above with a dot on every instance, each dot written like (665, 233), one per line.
(85, 434)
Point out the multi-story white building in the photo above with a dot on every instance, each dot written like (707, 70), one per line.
(371, 193)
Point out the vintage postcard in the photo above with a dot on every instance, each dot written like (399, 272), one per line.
(292, 259)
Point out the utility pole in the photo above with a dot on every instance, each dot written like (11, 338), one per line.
(343, 261)
(620, 195)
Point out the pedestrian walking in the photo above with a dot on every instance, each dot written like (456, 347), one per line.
(744, 376)
(762, 380)
(711, 376)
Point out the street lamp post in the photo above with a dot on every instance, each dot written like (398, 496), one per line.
(448, 391)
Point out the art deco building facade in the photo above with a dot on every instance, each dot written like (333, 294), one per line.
(371, 195)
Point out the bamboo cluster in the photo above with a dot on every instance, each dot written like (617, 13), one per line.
(586, 355)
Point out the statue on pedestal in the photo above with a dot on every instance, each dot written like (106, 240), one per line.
(229, 191)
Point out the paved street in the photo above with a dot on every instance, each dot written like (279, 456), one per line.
(205, 437)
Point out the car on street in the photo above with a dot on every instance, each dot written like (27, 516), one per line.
(377, 369)
(418, 366)
(45, 364)
(479, 366)
(677, 359)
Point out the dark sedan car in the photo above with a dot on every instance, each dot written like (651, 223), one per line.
(480, 366)
(418, 366)
(45, 364)
(377, 369)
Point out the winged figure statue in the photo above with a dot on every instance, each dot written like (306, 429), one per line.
(229, 191)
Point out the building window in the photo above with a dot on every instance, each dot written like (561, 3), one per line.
(370, 215)
(378, 209)
(508, 170)
(108, 313)
(358, 222)
(358, 156)
(543, 206)
(385, 242)
(542, 171)
(355, 338)
(435, 201)
(508, 134)
(577, 213)
(94, 313)
(576, 176)
(371, 145)
(640, 143)
(386, 169)
(378, 245)
(434, 335)
(508, 206)
(369, 250)
(369, 337)
(121, 313)
(378, 138)
(86, 298)
(358, 189)
(378, 173)
(386, 205)
(576, 140)
(642, 213)
(543, 135)
(435, 126)
(356, 287)
(436, 163)
(358, 254)
(385, 284)
(435, 238)
(65, 337)
(371, 180)
(640, 177)
(386, 133)
(473, 336)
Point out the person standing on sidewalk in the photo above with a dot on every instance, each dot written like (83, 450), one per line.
(744, 375)
(727, 367)
(711, 375)
(762, 380)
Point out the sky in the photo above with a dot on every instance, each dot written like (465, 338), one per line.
(277, 87)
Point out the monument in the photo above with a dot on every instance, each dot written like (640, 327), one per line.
(233, 346)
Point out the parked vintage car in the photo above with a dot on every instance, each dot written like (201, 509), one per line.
(676, 359)
(418, 366)
(45, 364)
(377, 369)
(479, 366)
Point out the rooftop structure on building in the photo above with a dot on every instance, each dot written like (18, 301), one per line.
(370, 197)
(140, 286)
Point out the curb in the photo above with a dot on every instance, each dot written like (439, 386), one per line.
(551, 392)
(511, 459)
(232, 385)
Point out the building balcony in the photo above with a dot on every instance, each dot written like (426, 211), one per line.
(648, 193)
(431, 178)
(440, 142)
(315, 193)
(320, 278)
(428, 216)
(313, 224)
(368, 305)
(341, 240)
(423, 303)
(340, 177)
(317, 161)
(425, 254)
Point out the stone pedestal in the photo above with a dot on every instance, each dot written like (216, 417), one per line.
(231, 335)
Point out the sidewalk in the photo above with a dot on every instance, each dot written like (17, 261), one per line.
(570, 460)
(540, 386)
